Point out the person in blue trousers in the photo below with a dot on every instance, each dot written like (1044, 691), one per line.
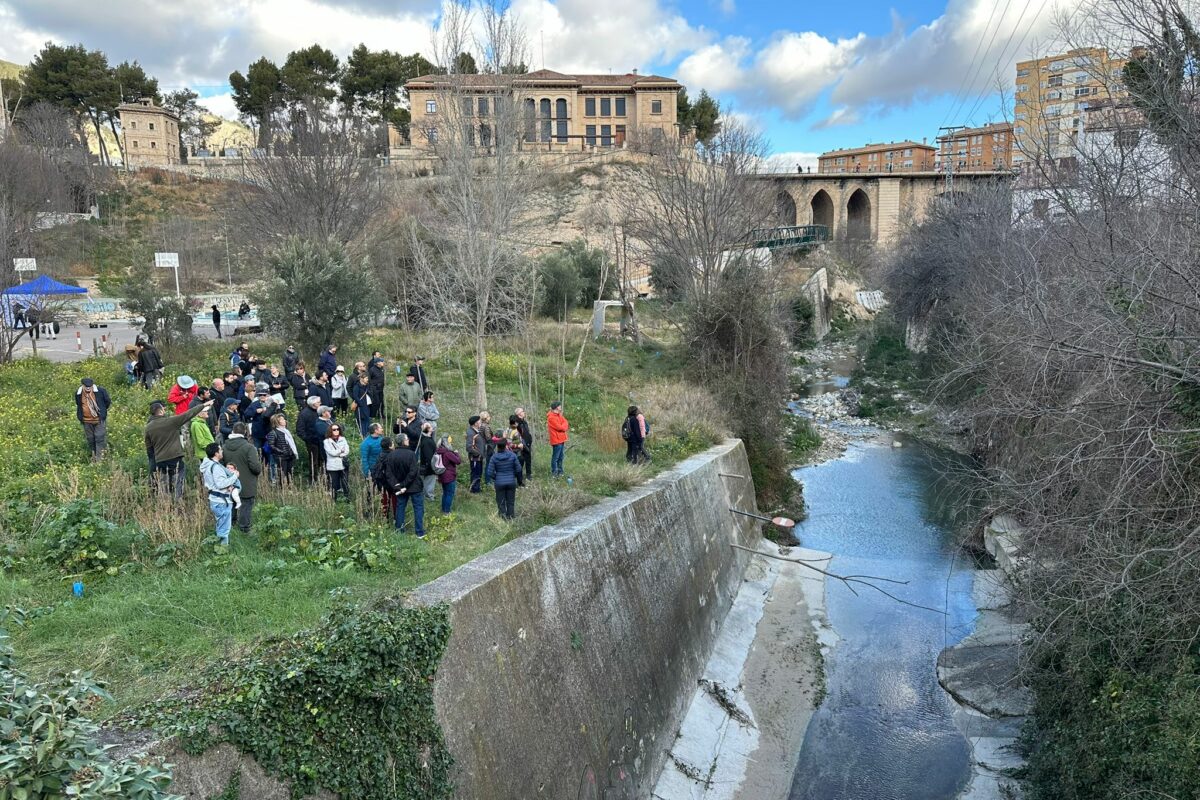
(404, 480)
(220, 481)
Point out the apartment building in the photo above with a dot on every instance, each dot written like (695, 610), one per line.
(1051, 96)
(150, 133)
(883, 157)
(561, 112)
(985, 149)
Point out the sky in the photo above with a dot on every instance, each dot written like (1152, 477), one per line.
(811, 76)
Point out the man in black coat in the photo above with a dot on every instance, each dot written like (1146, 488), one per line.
(290, 359)
(91, 409)
(376, 377)
(403, 476)
(298, 378)
(526, 454)
(306, 429)
(149, 365)
(417, 370)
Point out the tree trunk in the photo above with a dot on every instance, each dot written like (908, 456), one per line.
(112, 123)
(480, 373)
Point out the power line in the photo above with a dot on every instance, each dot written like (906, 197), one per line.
(983, 94)
(964, 89)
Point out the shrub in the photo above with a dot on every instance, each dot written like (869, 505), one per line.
(571, 276)
(79, 537)
(546, 502)
(613, 477)
(49, 749)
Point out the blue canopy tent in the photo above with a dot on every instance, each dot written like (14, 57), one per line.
(33, 294)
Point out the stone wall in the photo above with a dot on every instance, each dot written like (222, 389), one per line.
(574, 650)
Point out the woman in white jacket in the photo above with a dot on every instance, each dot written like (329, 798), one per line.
(337, 450)
(339, 390)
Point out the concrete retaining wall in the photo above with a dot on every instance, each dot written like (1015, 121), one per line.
(575, 650)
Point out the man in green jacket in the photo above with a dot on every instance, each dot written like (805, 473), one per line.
(202, 435)
(241, 453)
(410, 391)
(165, 447)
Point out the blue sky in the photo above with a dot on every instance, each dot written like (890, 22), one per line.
(812, 76)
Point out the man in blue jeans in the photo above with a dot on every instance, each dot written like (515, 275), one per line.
(404, 479)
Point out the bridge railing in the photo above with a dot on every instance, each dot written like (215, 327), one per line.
(789, 235)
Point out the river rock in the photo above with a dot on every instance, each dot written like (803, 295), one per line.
(986, 678)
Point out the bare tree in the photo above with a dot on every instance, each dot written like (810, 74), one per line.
(469, 248)
(321, 183)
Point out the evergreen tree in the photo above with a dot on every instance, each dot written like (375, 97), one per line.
(257, 95)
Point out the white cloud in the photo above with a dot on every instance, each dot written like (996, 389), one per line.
(841, 116)
(716, 67)
(220, 104)
(614, 36)
(727, 7)
(789, 161)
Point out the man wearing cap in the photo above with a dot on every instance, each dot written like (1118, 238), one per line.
(258, 415)
(164, 445)
(182, 393)
(417, 370)
(91, 409)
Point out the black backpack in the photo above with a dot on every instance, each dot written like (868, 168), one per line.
(626, 430)
(378, 473)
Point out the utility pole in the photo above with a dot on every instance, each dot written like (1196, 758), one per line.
(950, 131)
(3, 113)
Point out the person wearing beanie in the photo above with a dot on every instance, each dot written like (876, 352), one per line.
(91, 409)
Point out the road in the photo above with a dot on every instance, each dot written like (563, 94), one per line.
(120, 333)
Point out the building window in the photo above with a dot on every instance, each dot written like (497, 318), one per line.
(482, 105)
(606, 135)
(433, 134)
(530, 120)
(151, 126)
(589, 107)
(605, 107)
(467, 106)
(620, 135)
(656, 106)
(431, 107)
(591, 135)
(907, 152)
(560, 117)
(133, 125)
(620, 101)
(485, 135)
(497, 105)
(135, 144)
(544, 111)
(154, 145)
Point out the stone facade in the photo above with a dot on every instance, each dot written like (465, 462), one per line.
(150, 134)
(868, 208)
(560, 112)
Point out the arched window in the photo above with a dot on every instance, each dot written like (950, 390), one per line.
(560, 120)
(530, 120)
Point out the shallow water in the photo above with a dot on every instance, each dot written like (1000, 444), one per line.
(884, 731)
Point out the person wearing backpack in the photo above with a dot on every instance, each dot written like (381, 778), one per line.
(447, 460)
(633, 431)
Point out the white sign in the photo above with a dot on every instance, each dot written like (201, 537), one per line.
(25, 264)
(167, 260)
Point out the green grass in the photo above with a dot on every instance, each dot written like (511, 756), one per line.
(149, 629)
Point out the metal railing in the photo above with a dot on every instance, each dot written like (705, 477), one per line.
(789, 236)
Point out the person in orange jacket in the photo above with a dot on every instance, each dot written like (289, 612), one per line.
(556, 423)
(182, 392)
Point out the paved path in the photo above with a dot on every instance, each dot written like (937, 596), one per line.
(65, 349)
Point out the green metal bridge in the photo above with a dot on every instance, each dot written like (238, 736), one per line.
(790, 236)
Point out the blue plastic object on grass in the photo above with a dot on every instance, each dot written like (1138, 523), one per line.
(77, 588)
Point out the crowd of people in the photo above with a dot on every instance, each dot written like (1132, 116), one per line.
(239, 429)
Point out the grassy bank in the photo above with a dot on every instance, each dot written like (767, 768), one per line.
(159, 602)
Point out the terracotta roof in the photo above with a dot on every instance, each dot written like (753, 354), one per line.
(629, 80)
(877, 148)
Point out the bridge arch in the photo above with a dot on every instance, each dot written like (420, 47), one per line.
(858, 216)
(822, 209)
(785, 209)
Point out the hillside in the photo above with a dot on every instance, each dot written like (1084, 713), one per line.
(9, 69)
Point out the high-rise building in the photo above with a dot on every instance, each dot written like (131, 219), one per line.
(1051, 95)
(985, 149)
(882, 157)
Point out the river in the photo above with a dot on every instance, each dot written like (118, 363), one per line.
(885, 729)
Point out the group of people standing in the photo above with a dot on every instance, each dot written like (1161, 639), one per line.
(237, 429)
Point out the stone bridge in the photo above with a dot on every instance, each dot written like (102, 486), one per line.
(867, 206)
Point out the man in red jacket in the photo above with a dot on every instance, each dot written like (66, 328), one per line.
(557, 425)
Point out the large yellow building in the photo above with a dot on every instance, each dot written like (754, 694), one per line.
(151, 134)
(1051, 96)
(562, 112)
